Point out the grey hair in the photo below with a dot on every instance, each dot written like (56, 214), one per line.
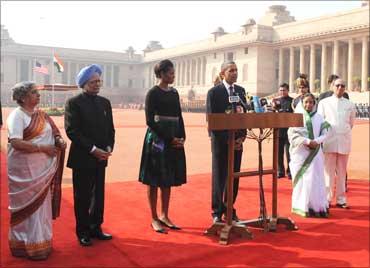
(21, 89)
(226, 64)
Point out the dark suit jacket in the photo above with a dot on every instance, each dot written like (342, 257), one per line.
(88, 121)
(330, 93)
(218, 102)
(1, 115)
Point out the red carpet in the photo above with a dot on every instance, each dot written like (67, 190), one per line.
(340, 241)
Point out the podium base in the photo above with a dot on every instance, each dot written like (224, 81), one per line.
(271, 223)
(225, 230)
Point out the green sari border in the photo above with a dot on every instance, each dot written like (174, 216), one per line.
(313, 153)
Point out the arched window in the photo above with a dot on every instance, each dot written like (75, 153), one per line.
(245, 72)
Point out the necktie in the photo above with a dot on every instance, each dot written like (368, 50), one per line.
(231, 91)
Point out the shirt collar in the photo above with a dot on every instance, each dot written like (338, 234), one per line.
(227, 86)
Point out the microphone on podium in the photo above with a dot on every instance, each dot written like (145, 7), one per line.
(234, 100)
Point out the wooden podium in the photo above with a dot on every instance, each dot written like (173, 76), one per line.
(233, 122)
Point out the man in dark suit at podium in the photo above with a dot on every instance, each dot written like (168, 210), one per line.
(89, 125)
(218, 102)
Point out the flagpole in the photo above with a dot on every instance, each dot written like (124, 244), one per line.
(52, 78)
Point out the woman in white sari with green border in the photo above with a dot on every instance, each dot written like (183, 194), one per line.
(307, 163)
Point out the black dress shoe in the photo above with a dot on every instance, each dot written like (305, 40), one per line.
(85, 241)
(100, 235)
(217, 219)
(344, 205)
(235, 218)
(279, 176)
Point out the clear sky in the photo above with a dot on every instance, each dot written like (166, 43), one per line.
(115, 25)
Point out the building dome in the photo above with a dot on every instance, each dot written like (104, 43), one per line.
(250, 22)
(277, 8)
(219, 30)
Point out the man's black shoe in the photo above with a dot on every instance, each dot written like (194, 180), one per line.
(235, 218)
(344, 205)
(217, 219)
(100, 235)
(85, 241)
(280, 176)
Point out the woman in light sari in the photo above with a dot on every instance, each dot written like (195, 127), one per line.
(35, 166)
(307, 162)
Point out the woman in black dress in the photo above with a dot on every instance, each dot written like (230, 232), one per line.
(163, 162)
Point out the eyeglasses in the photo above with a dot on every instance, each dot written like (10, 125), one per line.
(95, 82)
(340, 85)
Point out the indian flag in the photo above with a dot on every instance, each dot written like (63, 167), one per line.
(58, 63)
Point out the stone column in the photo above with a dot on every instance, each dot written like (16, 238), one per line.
(200, 71)
(301, 60)
(364, 65)
(281, 66)
(186, 78)
(312, 67)
(336, 57)
(190, 62)
(204, 60)
(350, 64)
(323, 68)
(183, 74)
(196, 73)
(177, 73)
(291, 69)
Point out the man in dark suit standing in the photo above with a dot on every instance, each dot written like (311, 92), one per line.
(218, 102)
(89, 125)
(283, 104)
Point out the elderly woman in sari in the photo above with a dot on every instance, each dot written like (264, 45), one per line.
(35, 166)
(307, 162)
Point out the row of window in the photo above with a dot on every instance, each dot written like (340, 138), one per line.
(230, 56)
(70, 72)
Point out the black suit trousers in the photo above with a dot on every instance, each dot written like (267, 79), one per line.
(283, 145)
(88, 194)
(219, 175)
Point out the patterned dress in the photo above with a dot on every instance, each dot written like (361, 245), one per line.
(161, 164)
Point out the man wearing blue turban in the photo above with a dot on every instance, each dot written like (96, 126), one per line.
(89, 126)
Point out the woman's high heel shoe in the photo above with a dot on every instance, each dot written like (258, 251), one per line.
(160, 230)
(173, 227)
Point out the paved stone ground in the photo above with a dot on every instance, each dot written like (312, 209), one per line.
(130, 131)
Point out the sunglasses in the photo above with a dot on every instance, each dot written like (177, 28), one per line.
(340, 85)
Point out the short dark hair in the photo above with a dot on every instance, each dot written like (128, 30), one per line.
(284, 85)
(332, 78)
(225, 64)
(309, 95)
(162, 67)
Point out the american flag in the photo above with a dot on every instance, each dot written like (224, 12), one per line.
(40, 69)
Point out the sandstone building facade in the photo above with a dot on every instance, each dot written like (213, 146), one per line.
(273, 50)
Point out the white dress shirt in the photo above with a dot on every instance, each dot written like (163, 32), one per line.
(227, 86)
(340, 113)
